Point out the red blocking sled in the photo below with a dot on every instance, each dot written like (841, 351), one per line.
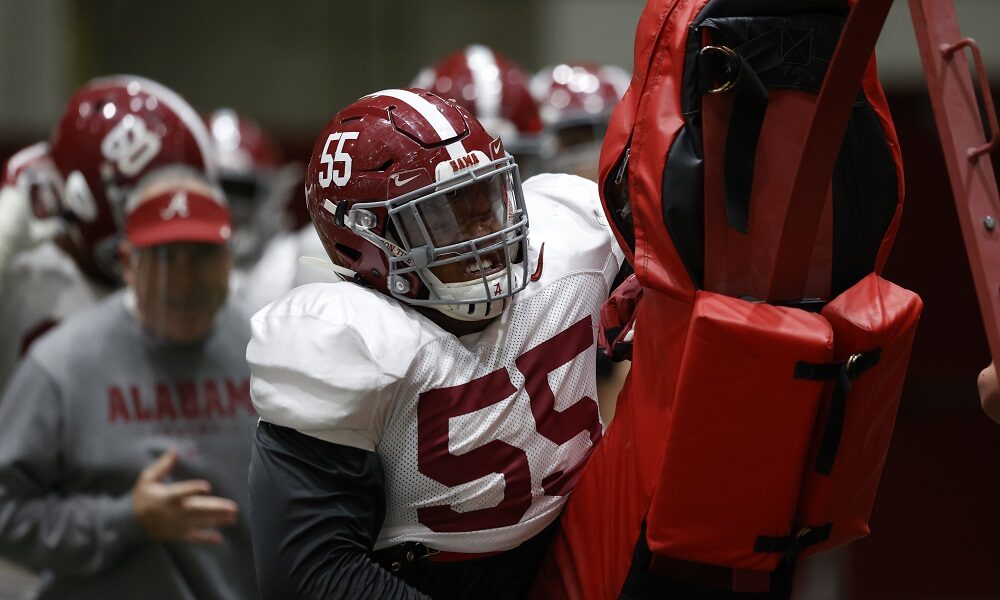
(753, 176)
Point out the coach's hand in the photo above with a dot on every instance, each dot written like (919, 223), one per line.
(182, 510)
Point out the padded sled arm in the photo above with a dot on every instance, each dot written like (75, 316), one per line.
(814, 170)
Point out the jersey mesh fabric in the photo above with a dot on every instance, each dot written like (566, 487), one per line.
(536, 316)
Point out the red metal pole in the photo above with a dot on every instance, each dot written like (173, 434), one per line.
(961, 131)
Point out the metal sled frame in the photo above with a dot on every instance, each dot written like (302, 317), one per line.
(953, 98)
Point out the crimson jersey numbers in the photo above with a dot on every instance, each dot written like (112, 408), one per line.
(435, 407)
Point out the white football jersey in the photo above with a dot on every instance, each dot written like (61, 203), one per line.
(41, 287)
(279, 269)
(481, 437)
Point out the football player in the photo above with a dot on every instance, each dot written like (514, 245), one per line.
(261, 188)
(575, 103)
(495, 90)
(423, 421)
(255, 178)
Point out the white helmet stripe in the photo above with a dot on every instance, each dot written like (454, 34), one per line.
(486, 77)
(428, 111)
(181, 108)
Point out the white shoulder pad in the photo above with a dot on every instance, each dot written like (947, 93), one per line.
(567, 189)
(565, 213)
(325, 357)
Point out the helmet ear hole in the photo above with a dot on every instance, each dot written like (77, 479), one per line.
(350, 254)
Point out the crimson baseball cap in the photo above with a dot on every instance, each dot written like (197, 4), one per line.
(177, 207)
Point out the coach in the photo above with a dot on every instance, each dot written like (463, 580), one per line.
(125, 433)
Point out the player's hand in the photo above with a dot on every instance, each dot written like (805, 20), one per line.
(614, 337)
(20, 229)
(182, 510)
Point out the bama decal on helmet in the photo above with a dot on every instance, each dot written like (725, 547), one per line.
(340, 174)
(453, 167)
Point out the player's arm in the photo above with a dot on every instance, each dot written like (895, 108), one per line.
(41, 526)
(315, 511)
(323, 360)
(19, 228)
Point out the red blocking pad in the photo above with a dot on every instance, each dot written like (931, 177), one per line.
(739, 432)
(873, 314)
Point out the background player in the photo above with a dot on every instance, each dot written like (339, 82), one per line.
(575, 102)
(60, 211)
(495, 90)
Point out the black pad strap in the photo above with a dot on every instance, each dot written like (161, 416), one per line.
(658, 576)
(749, 56)
(834, 429)
(749, 108)
(843, 372)
(817, 371)
(733, 69)
(854, 366)
(791, 545)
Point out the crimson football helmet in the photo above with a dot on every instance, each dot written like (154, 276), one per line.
(575, 102)
(411, 196)
(255, 178)
(494, 90)
(115, 131)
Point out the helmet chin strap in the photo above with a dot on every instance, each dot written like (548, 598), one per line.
(471, 312)
(468, 290)
(465, 290)
(342, 273)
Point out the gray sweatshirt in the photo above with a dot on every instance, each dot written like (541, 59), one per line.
(93, 403)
